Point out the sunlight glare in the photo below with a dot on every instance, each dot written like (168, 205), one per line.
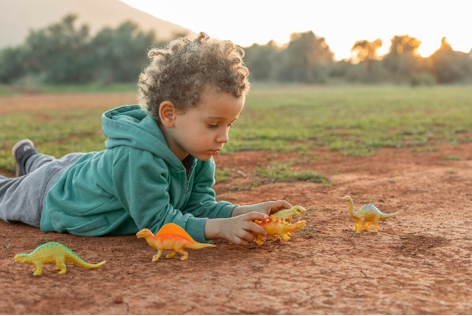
(340, 22)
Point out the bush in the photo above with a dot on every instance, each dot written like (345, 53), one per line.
(422, 79)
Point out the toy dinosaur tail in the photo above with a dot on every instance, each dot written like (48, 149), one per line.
(299, 225)
(82, 263)
(197, 246)
(385, 216)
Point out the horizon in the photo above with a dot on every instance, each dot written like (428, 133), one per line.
(260, 29)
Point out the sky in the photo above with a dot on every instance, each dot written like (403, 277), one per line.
(340, 22)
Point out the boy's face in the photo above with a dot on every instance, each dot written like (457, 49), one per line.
(202, 130)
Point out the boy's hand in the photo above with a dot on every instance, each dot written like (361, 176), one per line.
(238, 230)
(265, 208)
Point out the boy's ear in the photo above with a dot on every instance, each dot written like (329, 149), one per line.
(167, 113)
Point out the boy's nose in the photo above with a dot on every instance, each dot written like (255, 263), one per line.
(223, 138)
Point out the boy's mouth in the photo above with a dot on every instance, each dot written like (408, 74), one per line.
(215, 152)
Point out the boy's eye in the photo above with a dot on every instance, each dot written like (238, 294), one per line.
(216, 125)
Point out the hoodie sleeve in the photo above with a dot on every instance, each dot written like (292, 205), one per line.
(202, 201)
(142, 187)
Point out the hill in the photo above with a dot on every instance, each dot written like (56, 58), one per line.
(18, 17)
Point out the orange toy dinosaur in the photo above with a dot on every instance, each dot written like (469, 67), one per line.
(171, 237)
(278, 228)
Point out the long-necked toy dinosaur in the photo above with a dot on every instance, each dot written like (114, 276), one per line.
(171, 237)
(366, 215)
(53, 252)
(278, 228)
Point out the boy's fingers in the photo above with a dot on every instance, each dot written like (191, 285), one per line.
(258, 230)
(282, 205)
(286, 204)
(247, 236)
(253, 226)
(255, 216)
(240, 242)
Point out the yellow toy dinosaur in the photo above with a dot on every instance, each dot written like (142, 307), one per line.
(171, 237)
(366, 215)
(277, 228)
(287, 214)
(53, 252)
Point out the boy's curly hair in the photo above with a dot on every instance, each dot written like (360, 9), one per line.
(180, 70)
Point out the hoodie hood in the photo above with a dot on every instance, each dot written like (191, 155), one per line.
(145, 133)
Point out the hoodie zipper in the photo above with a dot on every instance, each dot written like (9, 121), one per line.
(187, 183)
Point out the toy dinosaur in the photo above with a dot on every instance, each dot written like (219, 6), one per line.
(171, 237)
(366, 215)
(287, 214)
(53, 252)
(277, 228)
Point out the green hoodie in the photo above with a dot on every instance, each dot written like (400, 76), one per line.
(135, 183)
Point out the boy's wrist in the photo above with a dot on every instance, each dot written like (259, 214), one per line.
(213, 228)
(235, 211)
(239, 210)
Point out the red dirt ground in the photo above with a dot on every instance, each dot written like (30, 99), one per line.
(418, 263)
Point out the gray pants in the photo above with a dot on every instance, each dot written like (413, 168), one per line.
(21, 199)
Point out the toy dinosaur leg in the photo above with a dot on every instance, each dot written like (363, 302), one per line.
(60, 264)
(285, 237)
(156, 257)
(171, 255)
(38, 268)
(184, 254)
(259, 240)
(357, 224)
(366, 227)
(376, 225)
(360, 224)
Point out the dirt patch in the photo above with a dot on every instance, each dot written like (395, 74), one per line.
(44, 102)
(418, 263)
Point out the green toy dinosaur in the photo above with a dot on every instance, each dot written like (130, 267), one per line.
(53, 252)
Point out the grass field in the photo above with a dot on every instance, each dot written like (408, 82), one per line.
(355, 120)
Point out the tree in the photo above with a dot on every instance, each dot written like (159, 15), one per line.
(11, 64)
(450, 65)
(305, 59)
(260, 60)
(60, 52)
(365, 53)
(402, 57)
(120, 54)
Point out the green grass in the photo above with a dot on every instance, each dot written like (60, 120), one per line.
(356, 120)
(352, 120)
(19, 89)
(61, 132)
(6, 90)
(282, 171)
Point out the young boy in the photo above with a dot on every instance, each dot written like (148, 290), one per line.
(157, 167)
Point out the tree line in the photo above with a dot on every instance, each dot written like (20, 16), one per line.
(66, 53)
